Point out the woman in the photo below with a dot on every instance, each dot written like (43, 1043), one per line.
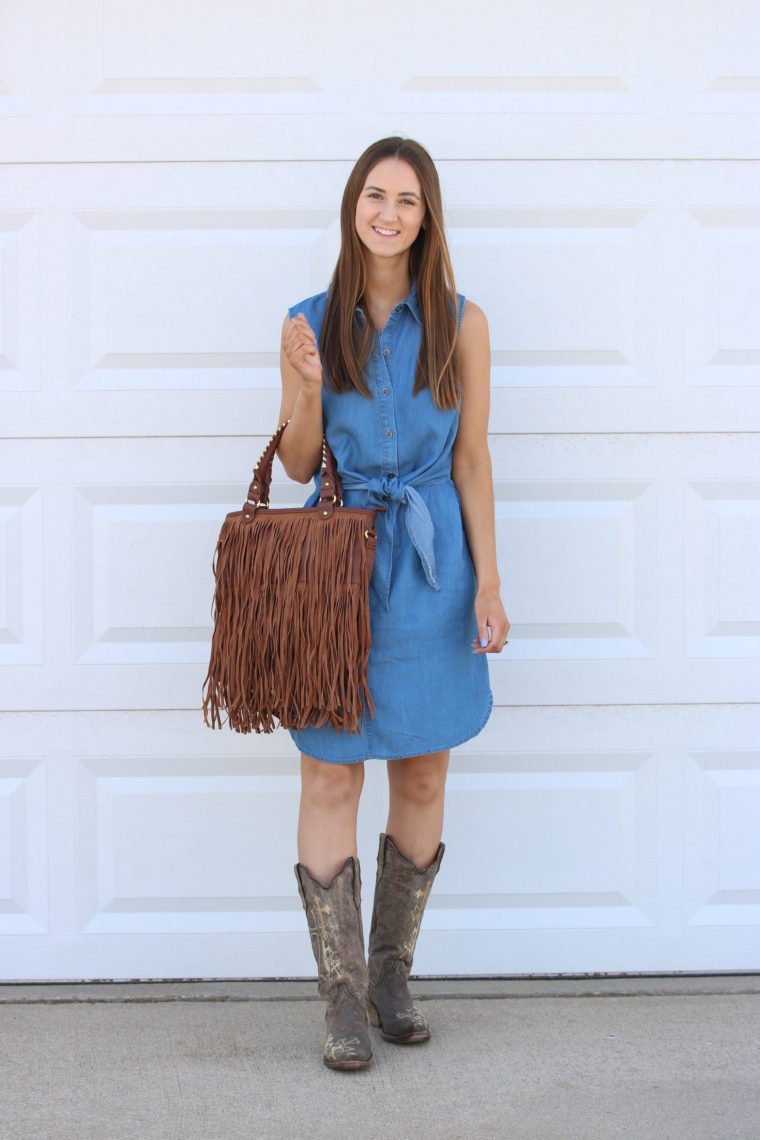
(393, 365)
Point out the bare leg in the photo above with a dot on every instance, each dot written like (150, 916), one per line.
(327, 817)
(415, 815)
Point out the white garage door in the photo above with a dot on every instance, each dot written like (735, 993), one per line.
(170, 182)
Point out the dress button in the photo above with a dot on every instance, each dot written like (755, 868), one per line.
(388, 434)
(386, 352)
(386, 391)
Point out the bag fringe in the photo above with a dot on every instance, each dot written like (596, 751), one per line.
(291, 635)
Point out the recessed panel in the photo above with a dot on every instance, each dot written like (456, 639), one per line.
(566, 292)
(246, 59)
(179, 299)
(561, 841)
(723, 569)
(168, 845)
(723, 298)
(23, 846)
(19, 56)
(19, 299)
(21, 576)
(722, 848)
(729, 67)
(520, 63)
(143, 577)
(579, 559)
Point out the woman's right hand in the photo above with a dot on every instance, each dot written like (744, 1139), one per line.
(300, 347)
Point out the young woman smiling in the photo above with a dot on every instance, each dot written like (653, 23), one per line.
(393, 365)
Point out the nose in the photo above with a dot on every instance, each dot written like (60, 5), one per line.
(388, 212)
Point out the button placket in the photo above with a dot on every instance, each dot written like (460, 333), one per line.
(388, 434)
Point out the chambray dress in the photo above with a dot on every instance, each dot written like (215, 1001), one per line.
(430, 690)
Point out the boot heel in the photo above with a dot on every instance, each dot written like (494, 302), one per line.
(373, 1015)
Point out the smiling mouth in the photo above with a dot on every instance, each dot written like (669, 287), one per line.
(385, 233)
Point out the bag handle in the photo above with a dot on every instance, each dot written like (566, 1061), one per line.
(330, 491)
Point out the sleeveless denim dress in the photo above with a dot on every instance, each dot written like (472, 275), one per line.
(430, 690)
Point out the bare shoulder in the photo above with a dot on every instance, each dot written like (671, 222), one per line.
(473, 333)
(473, 341)
(473, 315)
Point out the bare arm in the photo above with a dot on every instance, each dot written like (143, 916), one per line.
(473, 476)
(300, 449)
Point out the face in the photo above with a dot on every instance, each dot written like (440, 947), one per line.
(390, 209)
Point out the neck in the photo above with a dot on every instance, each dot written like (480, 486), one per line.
(388, 281)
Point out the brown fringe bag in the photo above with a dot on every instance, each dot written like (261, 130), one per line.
(291, 609)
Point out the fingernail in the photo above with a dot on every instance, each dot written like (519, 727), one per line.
(484, 643)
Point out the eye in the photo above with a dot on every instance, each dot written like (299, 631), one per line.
(408, 202)
(374, 194)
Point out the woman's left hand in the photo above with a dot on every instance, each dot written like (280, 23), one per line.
(489, 611)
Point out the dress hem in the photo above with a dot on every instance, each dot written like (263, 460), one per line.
(406, 755)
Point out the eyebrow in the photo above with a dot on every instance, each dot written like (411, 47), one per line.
(402, 193)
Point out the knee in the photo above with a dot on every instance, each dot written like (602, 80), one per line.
(331, 787)
(421, 782)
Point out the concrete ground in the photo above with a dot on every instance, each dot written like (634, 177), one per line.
(546, 1059)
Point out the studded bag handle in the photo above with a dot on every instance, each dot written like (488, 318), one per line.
(330, 490)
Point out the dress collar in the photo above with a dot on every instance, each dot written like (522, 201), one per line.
(411, 303)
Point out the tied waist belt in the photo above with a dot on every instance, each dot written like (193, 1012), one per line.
(390, 489)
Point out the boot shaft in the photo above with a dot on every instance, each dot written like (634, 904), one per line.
(401, 894)
(334, 918)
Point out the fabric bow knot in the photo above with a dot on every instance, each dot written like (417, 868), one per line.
(390, 489)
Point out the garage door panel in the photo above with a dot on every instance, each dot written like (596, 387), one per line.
(615, 838)
(19, 58)
(579, 564)
(168, 846)
(722, 807)
(235, 64)
(723, 553)
(173, 300)
(23, 846)
(608, 573)
(19, 301)
(528, 67)
(21, 575)
(575, 811)
(595, 271)
(142, 577)
(726, 71)
(125, 285)
(636, 79)
(722, 295)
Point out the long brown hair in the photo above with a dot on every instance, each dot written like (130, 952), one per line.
(345, 346)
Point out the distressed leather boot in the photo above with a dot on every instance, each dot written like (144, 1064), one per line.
(337, 939)
(401, 892)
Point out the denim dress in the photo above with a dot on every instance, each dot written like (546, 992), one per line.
(429, 689)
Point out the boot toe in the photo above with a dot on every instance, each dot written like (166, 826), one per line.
(348, 1044)
(347, 1053)
(405, 1025)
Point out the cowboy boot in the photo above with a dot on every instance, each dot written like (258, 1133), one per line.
(337, 939)
(401, 892)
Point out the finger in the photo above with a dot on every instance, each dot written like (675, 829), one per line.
(300, 329)
(300, 325)
(300, 340)
(482, 642)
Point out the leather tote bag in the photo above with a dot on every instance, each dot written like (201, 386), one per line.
(291, 633)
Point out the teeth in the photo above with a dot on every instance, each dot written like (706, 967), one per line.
(386, 233)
